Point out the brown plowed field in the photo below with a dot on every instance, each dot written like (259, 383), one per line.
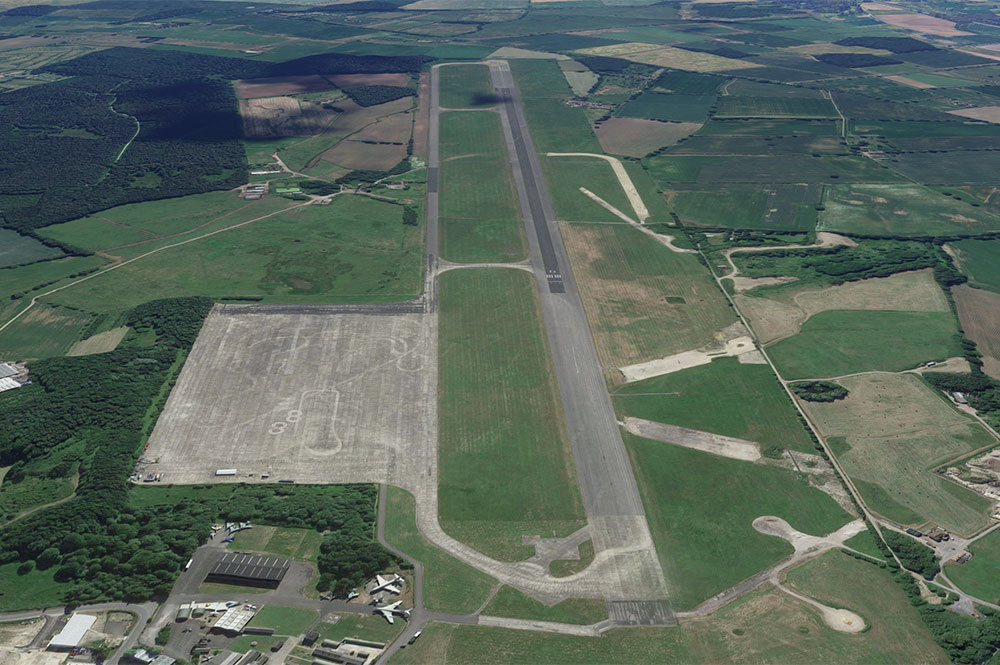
(281, 85)
(636, 137)
(979, 312)
(350, 80)
(394, 129)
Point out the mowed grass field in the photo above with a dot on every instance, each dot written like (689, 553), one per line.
(480, 219)
(625, 278)
(838, 342)
(900, 210)
(506, 468)
(980, 260)
(356, 249)
(565, 176)
(980, 576)
(730, 106)
(509, 602)
(889, 435)
(43, 332)
(466, 86)
(777, 207)
(724, 397)
(701, 507)
(554, 126)
(449, 584)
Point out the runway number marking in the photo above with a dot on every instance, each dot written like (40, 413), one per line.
(279, 427)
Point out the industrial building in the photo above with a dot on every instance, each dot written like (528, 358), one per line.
(72, 633)
(249, 570)
(234, 620)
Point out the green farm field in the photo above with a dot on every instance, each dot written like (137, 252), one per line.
(16, 249)
(778, 207)
(510, 602)
(889, 434)
(43, 332)
(554, 126)
(980, 260)
(449, 584)
(724, 397)
(466, 86)
(838, 342)
(793, 168)
(625, 277)
(699, 504)
(980, 576)
(673, 107)
(900, 210)
(730, 106)
(480, 217)
(769, 127)
(763, 627)
(505, 464)
(355, 249)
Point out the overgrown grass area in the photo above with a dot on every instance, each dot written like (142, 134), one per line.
(901, 210)
(506, 469)
(890, 435)
(980, 260)
(480, 219)
(16, 249)
(466, 86)
(43, 332)
(449, 584)
(355, 249)
(762, 627)
(32, 492)
(700, 505)
(300, 544)
(509, 602)
(643, 300)
(838, 342)
(980, 575)
(724, 397)
(35, 589)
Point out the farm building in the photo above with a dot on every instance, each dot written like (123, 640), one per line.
(8, 384)
(249, 570)
(72, 633)
(7, 370)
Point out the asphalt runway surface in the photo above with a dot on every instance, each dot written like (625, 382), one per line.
(610, 495)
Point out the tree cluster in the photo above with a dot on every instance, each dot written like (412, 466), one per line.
(819, 391)
(912, 554)
(373, 95)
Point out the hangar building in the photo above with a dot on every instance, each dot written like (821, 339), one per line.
(249, 570)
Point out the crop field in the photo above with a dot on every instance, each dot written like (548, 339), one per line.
(779, 313)
(635, 137)
(889, 434)
(566, 175)
(625, 280)
(794, 168)
(979, 576)
(355, 249)
(16, 249)
(282, 85)
(760, 145)
(979, 313)
(39, 55)
(837, 342)
(466, 86)
(449, 584)
(679, 168)
(668, 107)
(958, 167)
(774, 107)
(360, 155)
(303, 397)
(900, 210)
(675, 58)
(723, 397)
(770, 127)
(554, 126)
(699, 504)
(43, 332)
(980, 260)
(506, 469)
(778, 207)
(480, 219)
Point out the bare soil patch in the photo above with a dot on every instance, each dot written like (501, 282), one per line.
(922, 23)
(910, 82)
(281, 85)
(985, 113)
(979, 313)
(99, 343)
(636, 137)
(716, 444)
(351, 80)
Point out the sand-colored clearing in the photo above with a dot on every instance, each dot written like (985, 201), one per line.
(668, 56)
(979, 313)
(985, 113)
(922, 23)
(99, 343)
(910, 82)
(715, 444)
(736, 346)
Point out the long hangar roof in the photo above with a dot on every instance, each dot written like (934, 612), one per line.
(251, 566)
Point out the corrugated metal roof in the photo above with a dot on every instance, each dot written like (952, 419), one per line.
(251, 566)
(6, 369)
(8, 384)
(72, 633)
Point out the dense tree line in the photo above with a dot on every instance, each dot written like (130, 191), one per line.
(819, 391)
(373, 95)
(871, 258)
(913, 555)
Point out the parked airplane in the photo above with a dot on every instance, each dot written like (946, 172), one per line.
(393, 610)
(393, 585)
